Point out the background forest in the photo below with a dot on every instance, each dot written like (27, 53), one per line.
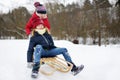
(96, 22)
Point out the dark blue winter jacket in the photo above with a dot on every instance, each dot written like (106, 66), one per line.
(44, 40)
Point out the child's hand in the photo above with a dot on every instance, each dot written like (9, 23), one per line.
(44, 16)
(30, 64)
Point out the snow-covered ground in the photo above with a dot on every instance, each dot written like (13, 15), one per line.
(101, 63)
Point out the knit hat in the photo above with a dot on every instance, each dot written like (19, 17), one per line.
(37, 21)
(41, 9)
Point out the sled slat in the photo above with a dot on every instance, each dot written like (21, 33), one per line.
(56, 63)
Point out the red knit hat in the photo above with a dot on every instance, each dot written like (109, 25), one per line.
(37, 22)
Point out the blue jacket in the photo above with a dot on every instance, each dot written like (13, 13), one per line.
(45, 40)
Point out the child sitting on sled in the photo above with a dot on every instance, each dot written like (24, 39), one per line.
(42, 45)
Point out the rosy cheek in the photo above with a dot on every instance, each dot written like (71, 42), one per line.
(42, 26)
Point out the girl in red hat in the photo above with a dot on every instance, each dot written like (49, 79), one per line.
(39, 14)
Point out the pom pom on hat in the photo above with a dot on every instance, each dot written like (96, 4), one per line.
(37, 4)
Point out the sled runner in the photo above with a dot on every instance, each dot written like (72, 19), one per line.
(56, 64)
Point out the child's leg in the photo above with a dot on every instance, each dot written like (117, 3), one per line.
(58, 51)
(38, 53)
(64, 52)
(37, 56)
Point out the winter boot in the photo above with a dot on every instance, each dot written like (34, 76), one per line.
(75, 70)
(34, 74)
(74, 66)
(35, 70)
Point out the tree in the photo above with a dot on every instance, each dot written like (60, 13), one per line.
(102, 3)
(87, 5)
(100, 6)
(13, 23)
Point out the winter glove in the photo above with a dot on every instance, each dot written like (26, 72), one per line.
(30, 64)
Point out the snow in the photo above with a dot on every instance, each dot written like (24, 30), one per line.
(101, 63)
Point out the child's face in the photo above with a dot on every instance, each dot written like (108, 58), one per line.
(41, 26)
(42, 15)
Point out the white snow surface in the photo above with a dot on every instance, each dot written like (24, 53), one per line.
(101, 63)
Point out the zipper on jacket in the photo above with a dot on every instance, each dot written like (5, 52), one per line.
(45, 39)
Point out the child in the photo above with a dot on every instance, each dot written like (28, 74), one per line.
(44, 47)
(40, 14)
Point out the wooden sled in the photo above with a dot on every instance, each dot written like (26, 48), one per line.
(56, 63)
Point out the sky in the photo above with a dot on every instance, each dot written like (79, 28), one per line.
(101, 63)
(6, 5)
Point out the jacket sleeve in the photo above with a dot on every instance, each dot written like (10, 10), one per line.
(30, 50)
(46, 22)
(28, 26)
